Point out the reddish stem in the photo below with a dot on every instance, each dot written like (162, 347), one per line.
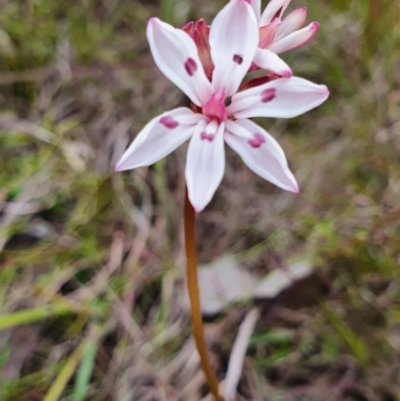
(193, 288)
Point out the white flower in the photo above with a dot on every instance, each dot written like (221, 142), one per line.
(232, 52)
(277, 35)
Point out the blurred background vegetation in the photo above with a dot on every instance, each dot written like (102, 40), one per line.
(92, 262)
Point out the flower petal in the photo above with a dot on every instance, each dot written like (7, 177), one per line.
(294, 21)
(176, 55)
(274, 9)
(256, 6)
(295, 39)
(260, 152)
(267, 34)
(159, 137)
(205, 163)
(233, 49)
(269, 61)
(280, 98)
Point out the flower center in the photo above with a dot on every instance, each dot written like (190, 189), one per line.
(215, 107)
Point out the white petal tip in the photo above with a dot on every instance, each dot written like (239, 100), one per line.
(154, 23)
(286, 73)
(325, 91)
(120, 167)
(314, 26)
(294, 186)
(198, 207)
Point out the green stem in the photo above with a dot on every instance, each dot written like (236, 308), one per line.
(193, 288)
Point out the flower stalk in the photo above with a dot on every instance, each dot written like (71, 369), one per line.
(193, 289)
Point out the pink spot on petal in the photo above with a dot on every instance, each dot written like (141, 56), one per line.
(206, 137)
(238, 59)
(190, 66)
(268, 94)
(257, 140)
(254, 143)
(260, 138)
(169, 122)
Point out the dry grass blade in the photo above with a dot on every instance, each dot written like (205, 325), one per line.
(238, 353)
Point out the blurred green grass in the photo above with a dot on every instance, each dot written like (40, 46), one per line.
(92, 262)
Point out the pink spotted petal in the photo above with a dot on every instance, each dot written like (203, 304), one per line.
(159, 137)
(269, 61)
(176, 55)
(205, 163)
(274, 9)
(294, 21)
(295, 39)
(292, 97)
(260, 152)
(233, 48)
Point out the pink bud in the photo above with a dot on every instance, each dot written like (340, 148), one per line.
(199, 31)
(267, 34)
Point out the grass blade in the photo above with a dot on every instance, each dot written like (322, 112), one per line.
(167, 10)
(32, 315)
(65, 375)
(85, 371)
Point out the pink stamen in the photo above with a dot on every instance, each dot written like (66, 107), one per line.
(204, 136)
(168, 122)
(257, 140)
(238, 59)
(190, 66)
(268, 94)
(215, 107)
